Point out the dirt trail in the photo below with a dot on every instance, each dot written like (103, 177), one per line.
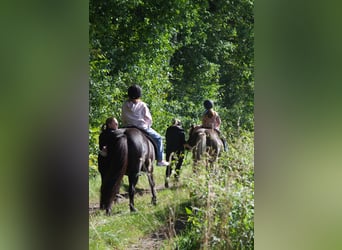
(155, 240)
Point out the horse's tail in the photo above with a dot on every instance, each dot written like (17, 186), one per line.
(120, 158)
(200, 145)
(203, 143)
(116, 170)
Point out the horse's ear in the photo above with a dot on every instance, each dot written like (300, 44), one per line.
(192, 126)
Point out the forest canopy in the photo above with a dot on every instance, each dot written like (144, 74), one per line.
(180, 52)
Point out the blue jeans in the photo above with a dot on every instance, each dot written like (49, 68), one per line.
(158, 139)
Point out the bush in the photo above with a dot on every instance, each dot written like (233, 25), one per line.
(222, 211)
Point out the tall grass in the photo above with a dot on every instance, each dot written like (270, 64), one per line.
(221, 215)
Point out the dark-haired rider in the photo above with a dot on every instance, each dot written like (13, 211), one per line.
(211, 119)
(136, 113)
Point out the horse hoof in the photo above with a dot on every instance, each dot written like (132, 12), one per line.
(167, 182)
(154, 201)
(108, 212)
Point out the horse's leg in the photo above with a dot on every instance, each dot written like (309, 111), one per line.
(195, 160)
(153, 190)
(117, 193)
(167, 176)
(152, 184)
(108, 211)
(168, 170)
(109, 207)
(133, 179)
(180, 156)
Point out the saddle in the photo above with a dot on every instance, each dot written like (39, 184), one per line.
(147, 136)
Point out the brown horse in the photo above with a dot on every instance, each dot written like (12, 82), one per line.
(130, 153)
(205, 141)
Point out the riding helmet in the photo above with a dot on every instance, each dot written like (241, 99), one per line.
(208, 104)
(134, 91)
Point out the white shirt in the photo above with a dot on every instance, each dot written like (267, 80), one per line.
(136, 114)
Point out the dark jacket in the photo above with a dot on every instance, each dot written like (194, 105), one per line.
(175, 139)
(105, 137)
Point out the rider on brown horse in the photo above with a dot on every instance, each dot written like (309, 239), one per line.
(211, 119)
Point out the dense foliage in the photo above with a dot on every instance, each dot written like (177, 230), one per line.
(181, 52)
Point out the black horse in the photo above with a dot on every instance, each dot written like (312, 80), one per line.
(129, 153)
(175, 140)
(205, 141)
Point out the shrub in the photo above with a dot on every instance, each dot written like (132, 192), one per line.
(222, 212)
